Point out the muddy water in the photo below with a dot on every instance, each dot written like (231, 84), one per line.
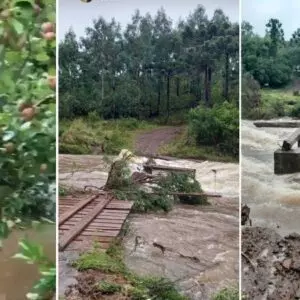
(209, 234)
(274, 200)
(202, 249)
(77, 171)
(16, 277)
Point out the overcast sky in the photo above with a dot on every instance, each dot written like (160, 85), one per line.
(258, 12)
(79, 15)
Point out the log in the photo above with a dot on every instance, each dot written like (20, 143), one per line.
(150, 168)
(278, 124)
(181, 194)
(291, 140)
(190, 194)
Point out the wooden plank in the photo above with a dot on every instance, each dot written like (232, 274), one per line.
(78, 228)
(75, 209)
(291, 140)
(209, 195)
(150, 168)
(120, 204)
(101, 233)
(277, 124)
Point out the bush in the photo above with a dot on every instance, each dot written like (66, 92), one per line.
(217, 127)
(251, 97)
(295, 112)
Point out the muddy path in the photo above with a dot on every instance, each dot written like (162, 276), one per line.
(270, 265)
(148, 143)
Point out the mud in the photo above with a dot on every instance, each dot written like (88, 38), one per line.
(270, 265)
(148, 143)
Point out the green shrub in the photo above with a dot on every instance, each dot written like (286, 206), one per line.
(218, 127)
(295, 112)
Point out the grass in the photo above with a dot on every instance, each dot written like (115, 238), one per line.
(227, 294)
(279, 103)
(91, 135)
(185, 147)
(136, 287)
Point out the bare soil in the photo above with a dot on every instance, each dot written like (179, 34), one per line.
(270, 265)
(86, 287)
(148, 143)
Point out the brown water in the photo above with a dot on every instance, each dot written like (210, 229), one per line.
(16, 277)
(274, 200)
(208, 233)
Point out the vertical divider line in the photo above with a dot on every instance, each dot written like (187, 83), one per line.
(240, 148)
(57, 151)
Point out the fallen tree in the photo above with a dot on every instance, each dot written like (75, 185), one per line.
(128, 179)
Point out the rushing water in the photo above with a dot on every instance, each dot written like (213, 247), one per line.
(274, 199)
(16, 277)
(208, 233)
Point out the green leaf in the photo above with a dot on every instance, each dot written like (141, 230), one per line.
(18, 26)
(42, 57)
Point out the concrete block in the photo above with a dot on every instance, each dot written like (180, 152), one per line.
(286, 162)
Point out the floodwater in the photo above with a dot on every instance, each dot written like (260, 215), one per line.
(274, 199)
(16, 277)
(203, 242)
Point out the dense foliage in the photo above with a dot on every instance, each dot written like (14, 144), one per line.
(27, 113)
(271, 59)
(150, 69)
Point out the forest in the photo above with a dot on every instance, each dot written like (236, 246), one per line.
(155, 70)
(271, 72)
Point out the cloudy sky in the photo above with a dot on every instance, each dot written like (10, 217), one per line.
(258, 12)
(79, 15)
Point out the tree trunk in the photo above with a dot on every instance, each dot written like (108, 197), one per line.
(206, 85)
(168, 95)
(209, 75)
(159, 96)
(226, 87)
(177, 86)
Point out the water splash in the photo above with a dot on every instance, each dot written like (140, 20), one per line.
(274, 200)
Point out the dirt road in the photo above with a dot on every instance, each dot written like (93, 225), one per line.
(148, 143)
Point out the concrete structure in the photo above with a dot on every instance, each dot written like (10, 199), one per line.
(286, 162)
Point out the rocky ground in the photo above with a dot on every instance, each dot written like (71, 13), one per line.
(270, 265)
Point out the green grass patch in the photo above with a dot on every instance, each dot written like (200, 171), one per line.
(100, 260)
(92, 135)
(137, 287)
(227, 294)
(278, 103)
(185, 147)
(108, 288)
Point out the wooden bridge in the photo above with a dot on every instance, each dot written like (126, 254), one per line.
(85, 219)
(287, 158)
